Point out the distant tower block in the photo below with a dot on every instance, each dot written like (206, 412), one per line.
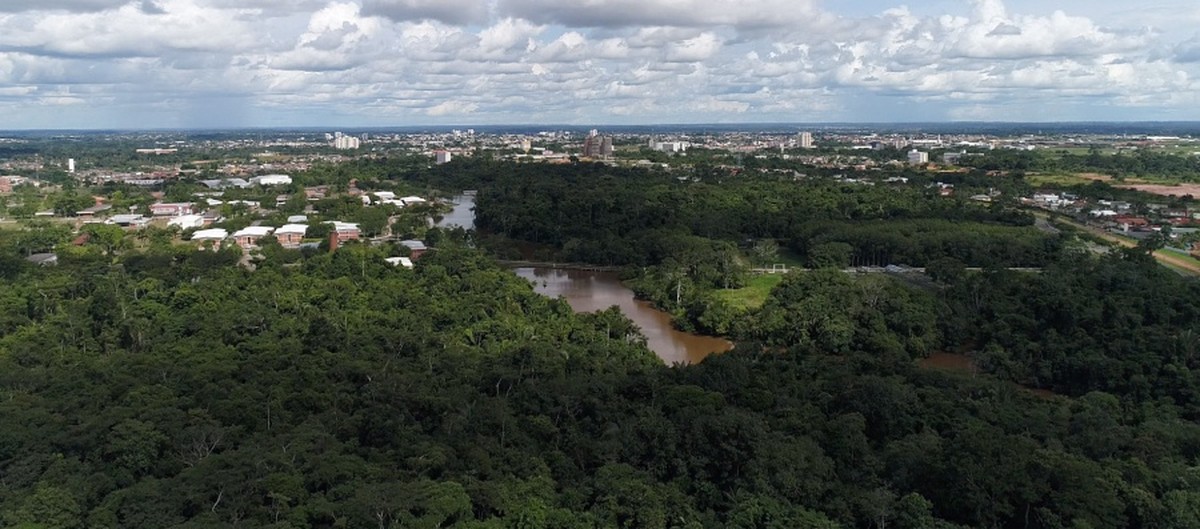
(70, 165)
(805, 139)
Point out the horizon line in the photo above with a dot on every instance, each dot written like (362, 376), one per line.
(561, 126)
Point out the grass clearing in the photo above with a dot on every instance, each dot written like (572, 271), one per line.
(1065, 180)
(754, 294)
(1075, 179)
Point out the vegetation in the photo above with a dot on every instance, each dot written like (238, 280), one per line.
(148, 384)
(753, 295)
(1142, 163)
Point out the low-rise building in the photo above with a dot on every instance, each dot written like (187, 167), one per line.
(248, 237)
(213, 236)
(341, 233)
(400, 261)
(417, 248)
(187, 222)
(916, 157)
(171, 209)
(291, 235)
(272, 180)
(128, 220)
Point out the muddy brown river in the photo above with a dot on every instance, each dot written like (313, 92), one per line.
(593, 291)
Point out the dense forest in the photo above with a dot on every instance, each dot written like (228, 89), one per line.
(172, 391)
(154, 385)
(1121, 164)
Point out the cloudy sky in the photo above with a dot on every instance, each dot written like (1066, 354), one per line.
(270, 63)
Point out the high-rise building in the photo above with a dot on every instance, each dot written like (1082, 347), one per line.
(597, 146)
(70, 165)
(443, 157)
(346, 142)
(805, 140)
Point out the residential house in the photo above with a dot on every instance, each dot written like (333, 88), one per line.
(213, 236)
(341, 233)
(130, 220)
(212, 216)
(400, 261)
(316, 192)
(417, 248)
(171, 209)
(1127, 222)
(291, 235)
(187, 222)
(248, 237)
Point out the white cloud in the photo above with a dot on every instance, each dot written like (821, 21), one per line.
(697, 49)
(452, 108)
(404, 61)
(130, 31)
(743, 14)
(447, 11)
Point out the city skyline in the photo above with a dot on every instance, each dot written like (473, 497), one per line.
(98, 64)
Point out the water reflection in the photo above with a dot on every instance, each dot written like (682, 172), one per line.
(594, 291)
(463, 214)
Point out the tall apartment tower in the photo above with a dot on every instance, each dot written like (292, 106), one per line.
(597, 146)
(70, 165)
(805, 139)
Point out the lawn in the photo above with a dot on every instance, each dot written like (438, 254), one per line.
(754, 294)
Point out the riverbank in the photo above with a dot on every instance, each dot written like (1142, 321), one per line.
(591, 291)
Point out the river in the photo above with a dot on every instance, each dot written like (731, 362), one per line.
(593, 291)
(463, 214)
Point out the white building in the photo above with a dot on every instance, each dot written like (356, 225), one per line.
(70, 165)
(291, 235)
(272, 180)
(346, 142)
(916, 157)
(669, 146)
(248, 237)
(443, 157)
(805, 140)
(187, 222)
(400, 261)
(214, 235)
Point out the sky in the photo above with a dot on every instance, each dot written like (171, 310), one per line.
(142, 64)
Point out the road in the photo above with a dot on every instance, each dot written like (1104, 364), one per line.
(1162, 256)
